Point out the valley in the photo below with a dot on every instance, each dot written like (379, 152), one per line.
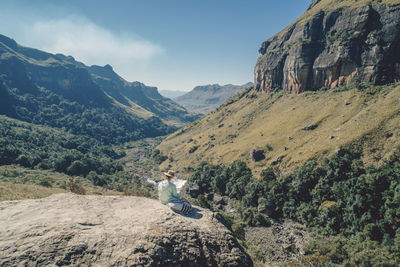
(299, 168)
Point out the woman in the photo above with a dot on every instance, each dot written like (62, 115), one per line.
(168, 194)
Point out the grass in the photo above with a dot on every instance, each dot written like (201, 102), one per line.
(11, 191)
(21, 183)
(364, 118)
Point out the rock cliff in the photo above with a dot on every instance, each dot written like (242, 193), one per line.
(68, 229)
(333, 44)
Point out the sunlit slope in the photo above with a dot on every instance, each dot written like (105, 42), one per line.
(366, 121)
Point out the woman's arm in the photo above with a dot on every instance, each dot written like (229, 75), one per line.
(182, 192)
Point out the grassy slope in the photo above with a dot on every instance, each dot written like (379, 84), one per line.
(370, 123)
(22, 183)
(11, 191)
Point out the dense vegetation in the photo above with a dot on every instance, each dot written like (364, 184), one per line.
(342, 197)
(108, 123)
(43, 148)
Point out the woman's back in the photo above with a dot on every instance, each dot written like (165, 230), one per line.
(167, 192)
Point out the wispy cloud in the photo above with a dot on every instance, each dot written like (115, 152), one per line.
(92, 44)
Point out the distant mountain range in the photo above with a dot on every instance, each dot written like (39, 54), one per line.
(205, 98)
(171, 93)
(57, 91)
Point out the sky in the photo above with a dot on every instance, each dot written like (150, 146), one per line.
(170, 44)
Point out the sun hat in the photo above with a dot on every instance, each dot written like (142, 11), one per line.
(170, 173)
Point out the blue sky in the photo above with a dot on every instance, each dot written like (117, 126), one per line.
(171, 44)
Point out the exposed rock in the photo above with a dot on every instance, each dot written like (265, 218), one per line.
(310, 128)
(68, 229)
(193, 149)
(330, 48)
(314, 3)
(257, 154)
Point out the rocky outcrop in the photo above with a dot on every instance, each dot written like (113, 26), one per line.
(333, 45)
(68, 229)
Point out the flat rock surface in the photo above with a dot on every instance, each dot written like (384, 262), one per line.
(69, 229)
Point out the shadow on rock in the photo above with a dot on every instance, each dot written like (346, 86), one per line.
(194, 215)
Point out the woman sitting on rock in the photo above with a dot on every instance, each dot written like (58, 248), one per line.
(168, 194)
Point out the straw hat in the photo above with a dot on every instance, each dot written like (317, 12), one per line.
(170, 174)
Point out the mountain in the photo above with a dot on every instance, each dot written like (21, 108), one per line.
(278, 123)
(171, 93)
(138, 97)
(204, 99)
(334, 43)
(57, 91)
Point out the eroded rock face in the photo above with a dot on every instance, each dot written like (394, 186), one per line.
(68, 229)
(333, 48)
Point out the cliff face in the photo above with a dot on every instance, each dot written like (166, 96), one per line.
(333, 45)
(74, 230)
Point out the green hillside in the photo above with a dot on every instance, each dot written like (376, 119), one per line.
(57, 91)
(137, 98)
(50, 157)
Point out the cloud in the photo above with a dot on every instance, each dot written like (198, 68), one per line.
(92, 44)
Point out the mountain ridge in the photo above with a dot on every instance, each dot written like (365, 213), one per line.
(58, 91)
(205, 98)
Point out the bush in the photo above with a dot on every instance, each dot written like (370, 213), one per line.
(251, 217)
(45, 181)
(238, 230)
(75, 187)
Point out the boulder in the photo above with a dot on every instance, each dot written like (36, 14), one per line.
(81, 230)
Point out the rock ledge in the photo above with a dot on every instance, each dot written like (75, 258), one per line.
(69, 229)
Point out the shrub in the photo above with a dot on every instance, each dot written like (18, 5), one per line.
(75, 187)
(238, 230)
(45, 181)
